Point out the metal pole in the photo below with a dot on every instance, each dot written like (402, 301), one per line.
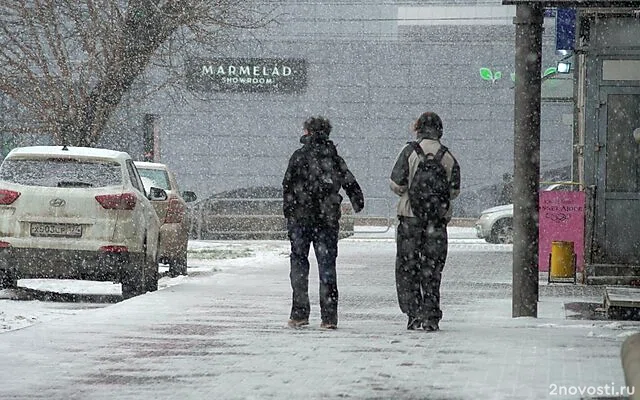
(528, 21)
(579, 79)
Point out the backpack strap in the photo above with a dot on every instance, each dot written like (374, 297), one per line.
(438, 156)
(441, 152)
(416, 146)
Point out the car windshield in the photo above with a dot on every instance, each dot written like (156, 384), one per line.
(61, 172)
(156, 177)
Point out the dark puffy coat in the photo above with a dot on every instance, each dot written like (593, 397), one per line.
(313, 180)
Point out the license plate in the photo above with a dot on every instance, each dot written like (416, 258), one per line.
(62, 230)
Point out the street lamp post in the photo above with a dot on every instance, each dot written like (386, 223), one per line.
(529, 20)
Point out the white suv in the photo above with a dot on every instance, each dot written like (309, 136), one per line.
(174, 219)
(77, 213)
(495, 224)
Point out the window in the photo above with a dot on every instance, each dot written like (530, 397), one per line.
(156, 177)
(61, 172)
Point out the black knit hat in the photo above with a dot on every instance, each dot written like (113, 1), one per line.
(319, 126)
(429, 121)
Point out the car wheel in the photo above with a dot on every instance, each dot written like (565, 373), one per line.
(131, 280)
(151, 280)
(178, 266)
(502, 232)
(8, 279)
(151, 275)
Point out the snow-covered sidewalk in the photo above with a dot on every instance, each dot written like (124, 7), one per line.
(221, 334)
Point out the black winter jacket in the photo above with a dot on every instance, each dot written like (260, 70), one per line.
(313, 180)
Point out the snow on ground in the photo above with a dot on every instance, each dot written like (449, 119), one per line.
(20, 309)
(40, 301)
(220, 333)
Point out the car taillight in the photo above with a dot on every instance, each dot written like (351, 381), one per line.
(4, 245)
(120, 201)
(114, 249)
(8, 196)
(175, 212)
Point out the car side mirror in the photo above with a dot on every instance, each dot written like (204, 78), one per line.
(157, 194)
(189, 196)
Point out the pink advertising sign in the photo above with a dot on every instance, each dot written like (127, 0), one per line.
(561, 218)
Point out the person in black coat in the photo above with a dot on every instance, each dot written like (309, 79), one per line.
(311, 204)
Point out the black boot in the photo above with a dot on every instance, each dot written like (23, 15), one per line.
(431, 326)
(414, 323)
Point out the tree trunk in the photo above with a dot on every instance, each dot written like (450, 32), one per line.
(145, 30)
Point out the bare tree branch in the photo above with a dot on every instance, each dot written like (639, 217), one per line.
(69, 63)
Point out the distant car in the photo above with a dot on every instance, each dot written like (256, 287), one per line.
(77, 213)
(495, 224)
(174, 219)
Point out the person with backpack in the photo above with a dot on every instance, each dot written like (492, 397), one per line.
(312, 206)
(426, 176)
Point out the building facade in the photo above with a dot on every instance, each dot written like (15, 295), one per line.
(371, 67)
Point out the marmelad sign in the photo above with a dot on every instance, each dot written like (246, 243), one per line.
(272, 75)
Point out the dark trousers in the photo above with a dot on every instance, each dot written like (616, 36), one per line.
(421, 252)
(325, 244)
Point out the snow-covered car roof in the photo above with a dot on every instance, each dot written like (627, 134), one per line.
(68, 151)
(151, 165)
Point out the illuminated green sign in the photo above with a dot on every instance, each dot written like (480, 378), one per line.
(493, 76)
